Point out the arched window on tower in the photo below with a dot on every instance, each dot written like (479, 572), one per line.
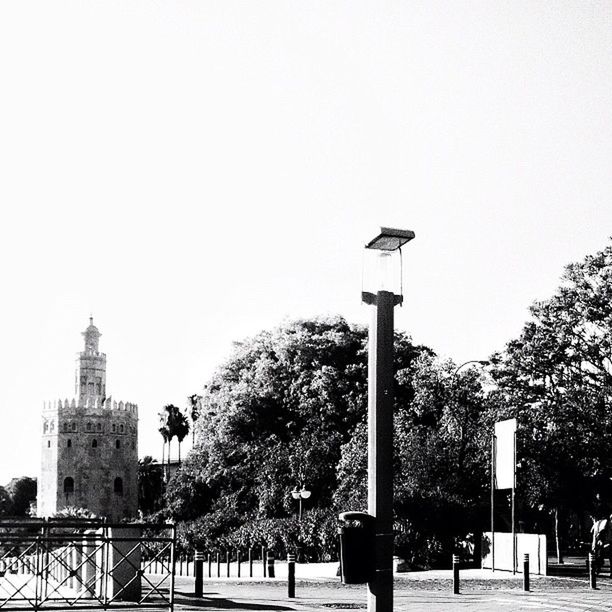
(74, 427)
(99, 427)
(66, 426)
(88, 426)
(45, 427)
(68, 485)
(118, 486)
(117, 443)
(69, 443)
(94, 443)
(48, 443)
(121, 428)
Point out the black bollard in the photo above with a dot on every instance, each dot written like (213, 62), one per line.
(526, 572)
(198, 568)
(227, 561)
(238, 561)
(218, 564)
(209, 565)
(290, 575)
(592, 571)
(270, 565)
(250, 562)
(263, 560)
(456, 574)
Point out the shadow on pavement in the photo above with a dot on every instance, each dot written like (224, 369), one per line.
(220, 603)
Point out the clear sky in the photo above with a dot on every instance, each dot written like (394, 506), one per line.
(191, 172)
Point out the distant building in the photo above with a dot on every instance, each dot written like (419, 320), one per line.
(89, 445)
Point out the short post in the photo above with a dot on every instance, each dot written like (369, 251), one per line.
(592, 571)
(238, 561)
(218, 564)
(263, 560)
(198, 564)
(250, 562)
(270, 565)
(456, 574)
(526, 572)
(291, 576)
(209, 565)
(227, 561)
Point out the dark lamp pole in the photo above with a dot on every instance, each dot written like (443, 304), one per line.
(380, 416)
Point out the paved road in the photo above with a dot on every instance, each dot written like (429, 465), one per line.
(553, 594)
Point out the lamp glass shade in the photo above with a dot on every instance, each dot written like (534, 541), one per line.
(295, 494)
(382, 271)
(305, 494)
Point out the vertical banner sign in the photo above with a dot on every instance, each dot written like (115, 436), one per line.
(505, 454)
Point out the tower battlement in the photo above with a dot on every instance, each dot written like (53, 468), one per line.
(90, 403)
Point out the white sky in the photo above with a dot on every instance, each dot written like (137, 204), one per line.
(192, 172)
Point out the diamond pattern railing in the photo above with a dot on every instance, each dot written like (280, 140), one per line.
(78, 564)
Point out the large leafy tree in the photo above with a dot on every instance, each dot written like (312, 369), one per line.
(555, 378)
(440, 460)
(276, 416)
(150, 485)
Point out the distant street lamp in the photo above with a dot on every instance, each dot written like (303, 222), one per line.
(380, 411)
(482, 362)
(300, 495)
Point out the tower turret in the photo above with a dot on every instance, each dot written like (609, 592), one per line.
(90, 375)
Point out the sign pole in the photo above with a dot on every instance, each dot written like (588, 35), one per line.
(514, 559)
(493, 503)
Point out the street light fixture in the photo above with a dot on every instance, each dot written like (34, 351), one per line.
(388, 243)
(300, 495)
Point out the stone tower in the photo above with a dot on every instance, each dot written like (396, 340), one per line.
(89, 444)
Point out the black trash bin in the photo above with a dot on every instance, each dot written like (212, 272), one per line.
(356, 547)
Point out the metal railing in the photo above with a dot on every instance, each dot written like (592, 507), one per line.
(85, 563)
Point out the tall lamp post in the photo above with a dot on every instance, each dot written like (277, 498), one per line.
(380, 414)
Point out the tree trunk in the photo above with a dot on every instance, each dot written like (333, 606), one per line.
(179, 453)
(558, 535)
(163, 454)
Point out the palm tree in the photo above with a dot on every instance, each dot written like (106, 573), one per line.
(181, 430)
(164, 430)
(170, 417)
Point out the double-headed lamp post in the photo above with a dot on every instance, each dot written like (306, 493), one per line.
(300, 495)
(380, 412)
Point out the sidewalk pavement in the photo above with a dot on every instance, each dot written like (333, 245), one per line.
(316, 591)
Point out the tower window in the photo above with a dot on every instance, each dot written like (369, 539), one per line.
(121, 428)
(69, 443)
(114, 427)
(74, 427)
(88, 426)
(68, 485)
(117, 443)
(66, 426)
(94, 443)
(51, 426)
(118, 486)
(99, 427)
(48, 443)
(45, 427)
